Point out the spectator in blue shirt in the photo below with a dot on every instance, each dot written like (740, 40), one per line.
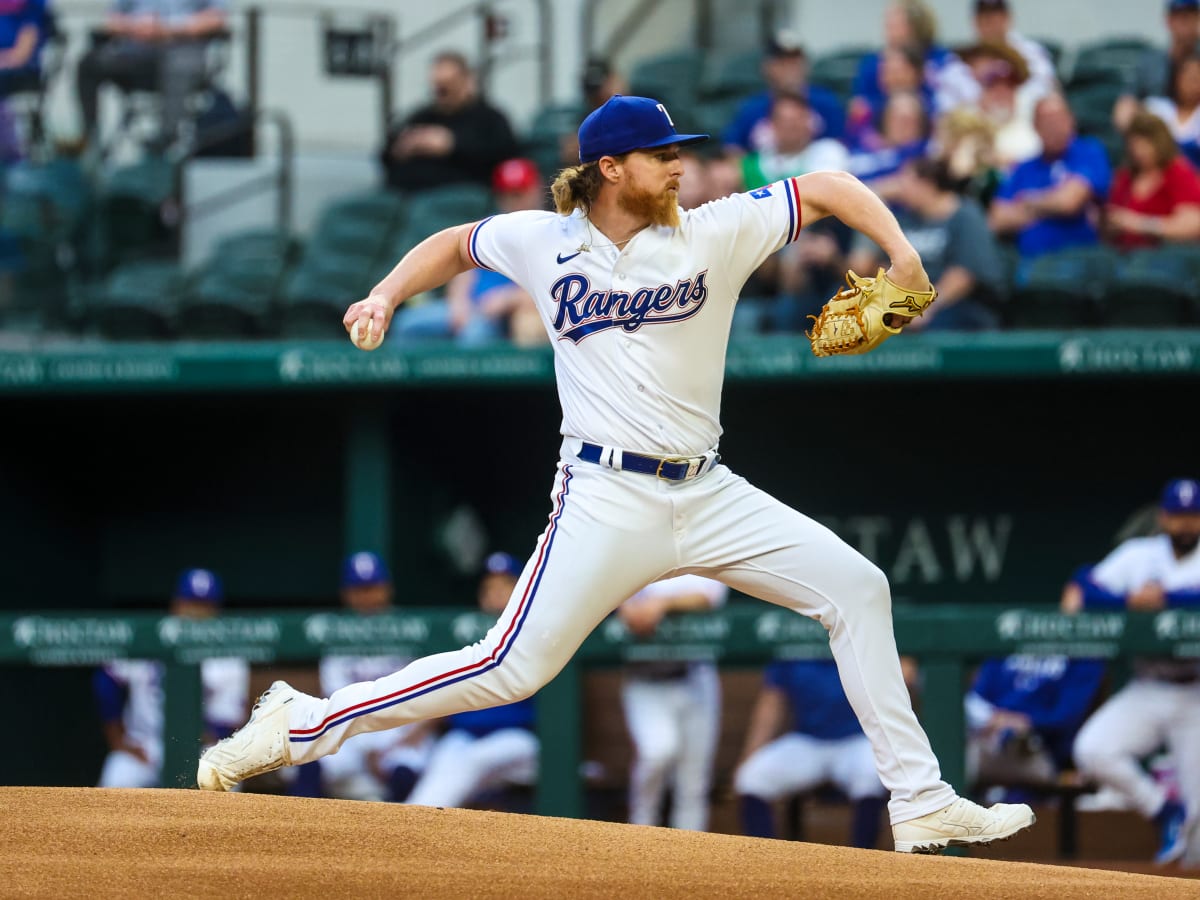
(825, 744)
(785, 70)
(23, 31)
(1052, 201)
(1022, 716)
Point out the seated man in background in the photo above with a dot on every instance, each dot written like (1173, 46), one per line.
(130, 695)
(1156, 194)
(785, 71)
(375, 765)
(150, 45)
(825, 744)
(1050, 202)
(486, 748)
(1022, 716)
(482, 306)
(24, 27)
(951, 234)
(457, 138)
(1161, 704)
(672, 709)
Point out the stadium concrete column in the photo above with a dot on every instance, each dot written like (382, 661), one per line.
(367, 520)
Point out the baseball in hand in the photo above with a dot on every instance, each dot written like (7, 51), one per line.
(360, 336)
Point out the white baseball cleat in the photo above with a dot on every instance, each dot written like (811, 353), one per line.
(961, 824)
(261, 745)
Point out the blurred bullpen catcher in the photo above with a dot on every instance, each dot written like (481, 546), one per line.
(638, 296)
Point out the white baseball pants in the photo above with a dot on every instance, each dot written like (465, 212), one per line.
(610, 534)
(463, 765)
(124, 770)
(1132, 724)
(674, 726)
(797, 762)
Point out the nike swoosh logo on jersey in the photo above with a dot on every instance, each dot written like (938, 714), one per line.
(562, 259)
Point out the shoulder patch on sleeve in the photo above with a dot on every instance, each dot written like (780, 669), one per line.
(761, 193)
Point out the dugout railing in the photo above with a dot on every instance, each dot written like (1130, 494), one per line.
(945, 640)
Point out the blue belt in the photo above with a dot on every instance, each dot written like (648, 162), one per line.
(672, 468)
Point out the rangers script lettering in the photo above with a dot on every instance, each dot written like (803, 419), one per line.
(587, 311)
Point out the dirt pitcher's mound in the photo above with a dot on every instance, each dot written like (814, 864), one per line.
(72, 842)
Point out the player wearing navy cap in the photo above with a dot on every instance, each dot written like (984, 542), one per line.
(1161, 704)
(638, 297)
(129, 693)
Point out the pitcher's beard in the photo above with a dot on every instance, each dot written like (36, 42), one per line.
(659, 209)
(1183, 544)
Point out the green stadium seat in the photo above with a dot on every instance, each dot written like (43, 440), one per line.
(233, 294)
(129, 223)
(138, 301)
(431, 211)
(836, 69)
(737, 74)
(1107, 61)
(1092, 103)
(673, 78)
(315, 296)
(1063, 289)
(1157, 287)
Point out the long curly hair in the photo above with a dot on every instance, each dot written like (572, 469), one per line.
(576, 187)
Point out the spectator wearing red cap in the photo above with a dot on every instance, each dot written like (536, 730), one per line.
(482, 306)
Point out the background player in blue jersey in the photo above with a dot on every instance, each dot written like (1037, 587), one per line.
(824, 745)
(483, 748)
(1023, 713)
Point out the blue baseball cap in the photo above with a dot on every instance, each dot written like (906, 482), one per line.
(199, 584)
(1181, 495)
(364, 568)
(503, 564)
(1182, 5)
(624, 124)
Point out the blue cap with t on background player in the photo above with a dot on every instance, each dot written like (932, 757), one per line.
(199, 584)
(1181, 496)
(503, 564)
(364, 568)
(623, 124)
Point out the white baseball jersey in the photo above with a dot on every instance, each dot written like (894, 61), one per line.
(1138, 561)
(640, 335)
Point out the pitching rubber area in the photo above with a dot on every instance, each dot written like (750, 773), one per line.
(85, 842)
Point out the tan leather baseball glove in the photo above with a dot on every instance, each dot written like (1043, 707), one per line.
(864, 314)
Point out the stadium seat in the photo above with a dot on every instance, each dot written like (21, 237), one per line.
(1157, 287)
(672, 77)
(233, 294)
(315, 296)
(432, 210)
(1092, 103)
(130, 223)
(836, 69)
(1111, 60)
(542, 140)
(737, 74)
(137, 301)
(1063, 289)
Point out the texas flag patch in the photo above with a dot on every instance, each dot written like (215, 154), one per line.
(761, 193)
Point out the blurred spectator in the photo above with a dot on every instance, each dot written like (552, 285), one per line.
(793, 150)
(672, 709)
(1156, 194)
(1180, 110)
(1050, 201)
(130, 695)
(951, 234)
(965, 141)
(1002, 74)
(824, 744)
(785, 70)
(24, 27)
(1157, 70)
(900, 73)
(799, 278)
(482, 306)
(948, 81)
(458, 137)
(904, 136)
(486, 748)
(150, 45)
(374, 765)
(1161, 703)
(1022, 716)
(993, 25)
